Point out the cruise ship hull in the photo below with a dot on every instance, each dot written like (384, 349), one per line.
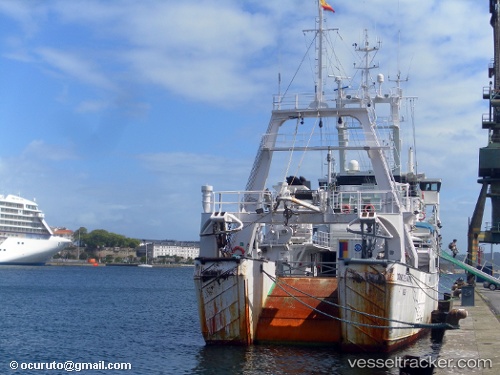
(29, 251)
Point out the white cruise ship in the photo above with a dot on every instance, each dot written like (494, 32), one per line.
(25, 237)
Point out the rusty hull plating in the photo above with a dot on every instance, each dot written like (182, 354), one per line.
(306, 310)
(290, 316)
(387, 295)
(222, 295)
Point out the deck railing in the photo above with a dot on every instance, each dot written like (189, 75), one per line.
(351, 97)
(482, 264)
(344, 202)
(306, 269)
(321, 238)
(492, 227)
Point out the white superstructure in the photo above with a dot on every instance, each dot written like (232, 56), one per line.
(25, 237)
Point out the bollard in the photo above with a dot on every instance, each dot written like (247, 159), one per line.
(468, 295)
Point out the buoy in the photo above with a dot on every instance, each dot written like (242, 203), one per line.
(346, 209)
(238, 249)
(369, 208)
(95, 264)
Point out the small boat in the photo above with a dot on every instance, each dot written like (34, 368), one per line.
(350, 260)
(147, 265)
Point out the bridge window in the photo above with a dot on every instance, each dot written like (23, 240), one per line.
(430, 185)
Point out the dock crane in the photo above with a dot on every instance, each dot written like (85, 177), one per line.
(489, 156)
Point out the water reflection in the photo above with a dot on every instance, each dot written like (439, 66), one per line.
(267, 359)
(297, 360)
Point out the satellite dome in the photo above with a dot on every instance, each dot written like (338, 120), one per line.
(353, 166)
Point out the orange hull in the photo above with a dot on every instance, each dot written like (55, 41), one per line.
(285, 319)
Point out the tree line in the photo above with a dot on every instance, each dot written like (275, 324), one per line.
(100, 238)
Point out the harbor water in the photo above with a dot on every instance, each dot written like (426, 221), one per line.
(146, 317)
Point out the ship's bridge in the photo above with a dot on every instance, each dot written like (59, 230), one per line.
(430, 190)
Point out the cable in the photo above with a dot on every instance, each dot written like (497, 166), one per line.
(409, 324)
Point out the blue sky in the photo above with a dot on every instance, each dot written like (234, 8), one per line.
(114, 113)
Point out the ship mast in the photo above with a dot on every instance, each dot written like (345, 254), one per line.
(318, 86)
(319, 83)
(365, 70)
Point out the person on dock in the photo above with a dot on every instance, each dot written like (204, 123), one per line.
(453, 247)
(457, 287)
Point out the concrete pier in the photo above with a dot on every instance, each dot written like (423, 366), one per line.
(475, 347)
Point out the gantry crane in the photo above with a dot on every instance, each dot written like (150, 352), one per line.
(489, 156)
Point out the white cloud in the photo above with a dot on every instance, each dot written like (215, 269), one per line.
(76, 67)
(39, 150)
(26, 13)
(92, 106)
(188, 169)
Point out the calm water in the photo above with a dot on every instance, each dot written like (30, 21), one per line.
(144, 316)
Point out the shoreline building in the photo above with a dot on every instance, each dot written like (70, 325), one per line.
(169, 248)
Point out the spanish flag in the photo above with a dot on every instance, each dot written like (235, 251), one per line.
(326, 6)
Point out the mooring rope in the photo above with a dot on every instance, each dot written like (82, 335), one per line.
(422, 289)
(408, 324)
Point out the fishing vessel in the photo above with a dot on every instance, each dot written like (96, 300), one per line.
(25, 237)
(331, 242)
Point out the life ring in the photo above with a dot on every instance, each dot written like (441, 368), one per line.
(369, 208)
(238, 249)
(421, 216)
(346, 209)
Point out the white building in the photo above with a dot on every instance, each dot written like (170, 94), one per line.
(170, 249)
